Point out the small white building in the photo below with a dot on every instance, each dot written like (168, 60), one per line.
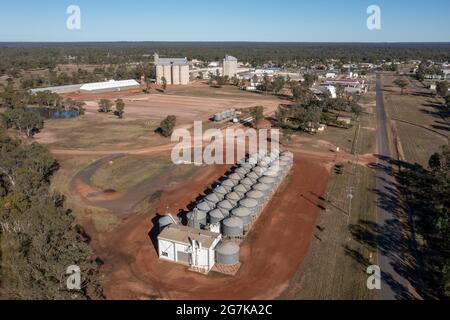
(185, 245)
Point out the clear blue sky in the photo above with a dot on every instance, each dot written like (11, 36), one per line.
(226, 20)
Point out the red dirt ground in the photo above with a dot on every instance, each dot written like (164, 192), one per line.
(270, 255)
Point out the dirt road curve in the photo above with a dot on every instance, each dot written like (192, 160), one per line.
(270, 255)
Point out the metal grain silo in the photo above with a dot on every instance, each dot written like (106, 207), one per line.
(176, 74)
(264, 188)
(257, 195)
(204, 206)
(242, 171)
(196, 219)
(253, 176)
(241, 189)
(267, 180)
(216, 216)
(243, 213)
(235, 177)
(227, 253)
(247, 167)
(228, 184)
(233, 227)
(212, 199)
(225, 206)
(218, 117)
(164, 222)
(184, 74)
(247, 182)
(259, 170)
(234, 197)
(220, 192)
(250, 204)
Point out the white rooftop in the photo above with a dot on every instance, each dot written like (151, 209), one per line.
(111, 84)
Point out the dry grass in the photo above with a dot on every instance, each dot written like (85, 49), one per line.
(128, 172)
(420, 126)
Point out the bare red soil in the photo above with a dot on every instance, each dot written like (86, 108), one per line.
(270, 255)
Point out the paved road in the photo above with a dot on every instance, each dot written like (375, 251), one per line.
(391, 242)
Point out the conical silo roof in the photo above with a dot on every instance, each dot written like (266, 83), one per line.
(227, 253)
(216, 216)
(259, 170)
(197, 215)
(220, 190)
(235, 177)
(240, 188)
(225, 204)
(229, 183)
(255, 194)
(233, 196)
(247, 167)
(253, 176)
(247, 182)
(261, 187)
(241, 172)
(212, 198)
(267, 180)
(249, 203)
(242, 213)
(165, 221)
(204, 206)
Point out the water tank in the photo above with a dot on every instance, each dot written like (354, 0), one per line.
(257, 195)
(227, 253)
(196, 219)
(242, 213)
(233, 227)
(164, 222)
(250, 204)
(216, 216)
(225, 206)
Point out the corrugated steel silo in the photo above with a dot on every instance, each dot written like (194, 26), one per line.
(228, 184)
(164, 222)
(241, 189)
(196, 219)
(225, 206)
(233, 227)
(257, 195)
(247, 182)
(216, 216)
(227, 253)
(250, 204)
(264, 188)
(244, 214)
(204, 206)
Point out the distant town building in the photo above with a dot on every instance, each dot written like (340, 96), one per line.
(230, 66)
(174, 70)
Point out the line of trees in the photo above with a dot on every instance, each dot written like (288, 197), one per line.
(39, 238)
(428, 196)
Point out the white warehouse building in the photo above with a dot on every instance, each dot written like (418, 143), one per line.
(108, 86)
(174, 70)
(188, 246)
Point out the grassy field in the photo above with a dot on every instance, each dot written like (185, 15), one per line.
(335, 267)
(128, 172)
(420, 124)
(336, 264)
(98, 132)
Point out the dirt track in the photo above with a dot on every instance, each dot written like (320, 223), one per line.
(270, 255)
